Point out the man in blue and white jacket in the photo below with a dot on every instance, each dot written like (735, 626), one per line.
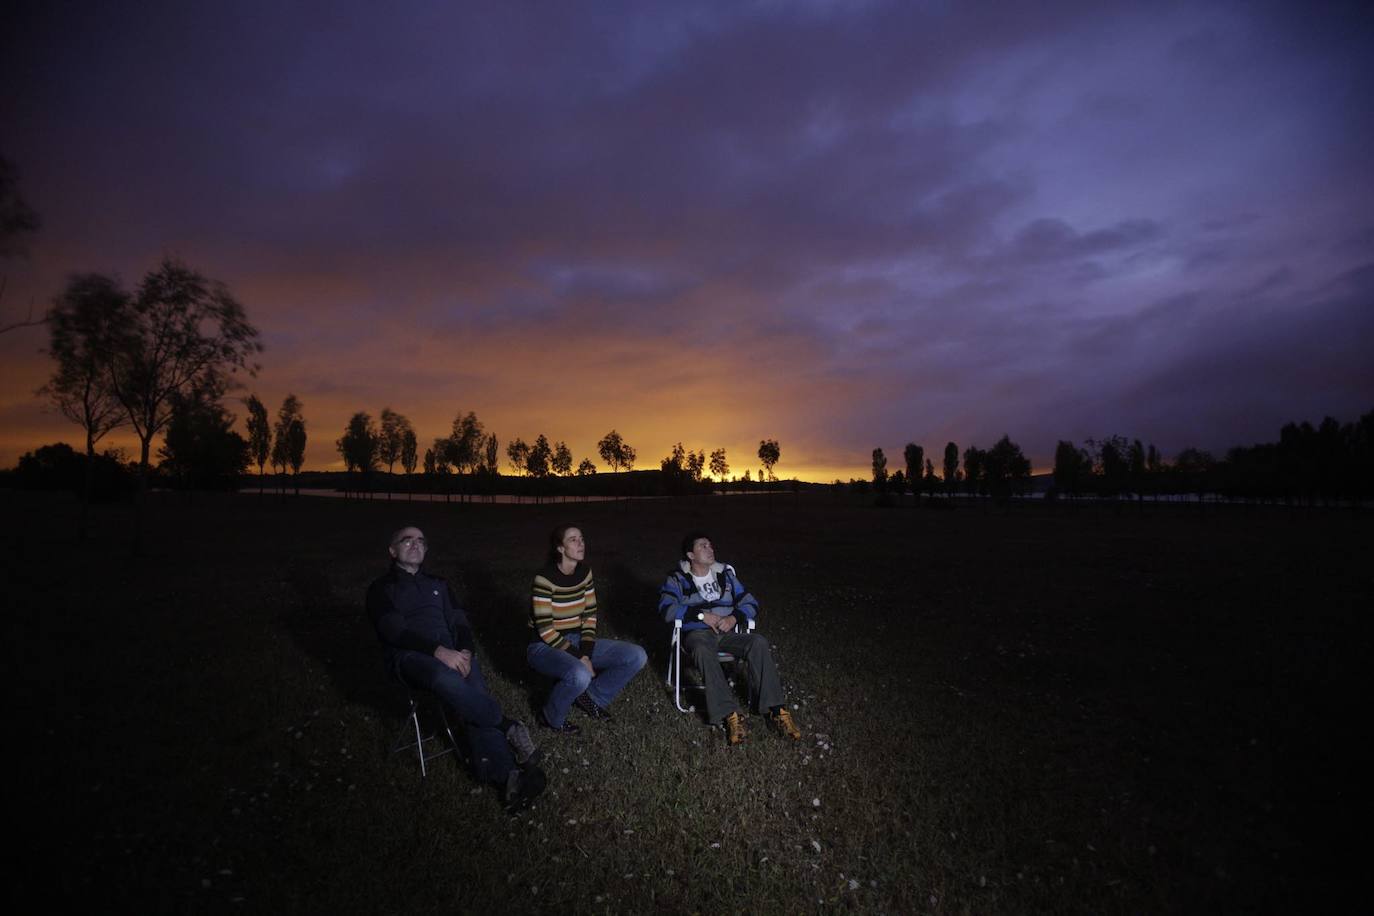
(708, 597)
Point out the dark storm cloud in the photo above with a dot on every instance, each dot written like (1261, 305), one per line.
(872, 220)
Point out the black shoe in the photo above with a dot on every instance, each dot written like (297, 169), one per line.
(523, 787)
(588, 706)
(567, 728)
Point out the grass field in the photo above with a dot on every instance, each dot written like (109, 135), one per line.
(1035, 710)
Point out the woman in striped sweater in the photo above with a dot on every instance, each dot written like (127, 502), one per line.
(590, 672)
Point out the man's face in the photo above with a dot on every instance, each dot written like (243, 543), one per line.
(703, 554)
(408, 548)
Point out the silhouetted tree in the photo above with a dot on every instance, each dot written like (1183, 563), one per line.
(974, 478)
(586, 468)
(951, 466)
(696, 464)
(182, 333)
(358, 445)
(769, 453)
(409, 445)
(200, 448)
(431, 463)
(673, 469)
(1006, 468)
(17, 222)
(288, 442)
(879, 471)
(493, 450)
(518, 454)
(719, 466)
(389, 441)
(1111, 463)
(616, 452)
(539, 457)
(1071, 467)
(84, 323)
(897, 483)
(259, 435)
(914, 456)
(561, 463)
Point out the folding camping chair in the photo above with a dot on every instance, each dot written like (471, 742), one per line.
(405, 741)
(675, 658)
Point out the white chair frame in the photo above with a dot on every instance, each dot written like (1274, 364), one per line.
(675, 658)
(405, 742)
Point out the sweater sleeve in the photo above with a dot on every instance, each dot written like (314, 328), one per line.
(745, 602)
(588, 629)
(541, 613)
(672, 603)
(391, 624)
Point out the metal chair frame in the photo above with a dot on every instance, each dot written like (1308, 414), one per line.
(677, 653)
(405, 741)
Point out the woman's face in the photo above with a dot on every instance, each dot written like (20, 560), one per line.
(573, 548)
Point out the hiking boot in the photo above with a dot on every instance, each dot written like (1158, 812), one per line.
(735, 732)
(520, 741)
(567, 728)
(588, 706)
(522, 787)
(782, 720)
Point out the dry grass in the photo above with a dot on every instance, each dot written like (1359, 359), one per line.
(1030, 711)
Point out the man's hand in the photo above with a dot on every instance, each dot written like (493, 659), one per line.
(711, 620)
(455, 661)
(725, 624)
(587, 663)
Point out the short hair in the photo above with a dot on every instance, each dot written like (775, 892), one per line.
(396, 535)
(689, 542)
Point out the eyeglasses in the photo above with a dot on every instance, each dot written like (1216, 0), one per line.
(410, 541)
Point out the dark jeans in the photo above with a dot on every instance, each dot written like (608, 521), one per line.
(765, 690)
(467, 699)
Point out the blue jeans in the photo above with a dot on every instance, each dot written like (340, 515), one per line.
(468, 699)
(614, 661)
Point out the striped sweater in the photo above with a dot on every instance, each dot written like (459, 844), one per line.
(563, 604)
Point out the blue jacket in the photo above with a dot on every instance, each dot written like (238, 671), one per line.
(680, 600)
(416, 613)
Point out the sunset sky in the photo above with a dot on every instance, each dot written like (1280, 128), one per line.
(839, 225)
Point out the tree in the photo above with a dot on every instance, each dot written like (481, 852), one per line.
(696, 464)
(616, 452)
(974, 478)
(538, 458)
(83, 323)
(586, 468)
(719, 466)
(951, 466)
(1071, 467)
(914, 456)
(930, 480)
(518, 453)
(17, 220)
(288, 437)
(200, 448)
(467, 439)
(259, 434)
(493, 450)
(440, 451)
(359, 444)
(182, 334)
(562, 460)
(1006, 468)
(880, 471)
(769, 453)
(430, 463)
(389, 439)
(409, 446)
(1111, 463)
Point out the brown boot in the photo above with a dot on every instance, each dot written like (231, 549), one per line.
(782, 720)
(735, 732)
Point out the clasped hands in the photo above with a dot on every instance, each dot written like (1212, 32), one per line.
(718, 623)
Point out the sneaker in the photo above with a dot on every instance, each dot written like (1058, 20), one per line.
(782, 720)
(735, 732)
(567, 728)
(523, 745)
(522, 787)
(588, 706)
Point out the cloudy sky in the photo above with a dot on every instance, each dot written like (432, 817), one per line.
(838, 224)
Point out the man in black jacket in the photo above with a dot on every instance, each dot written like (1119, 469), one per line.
(428, 645)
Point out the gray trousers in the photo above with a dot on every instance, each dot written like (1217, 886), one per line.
(765, 690)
